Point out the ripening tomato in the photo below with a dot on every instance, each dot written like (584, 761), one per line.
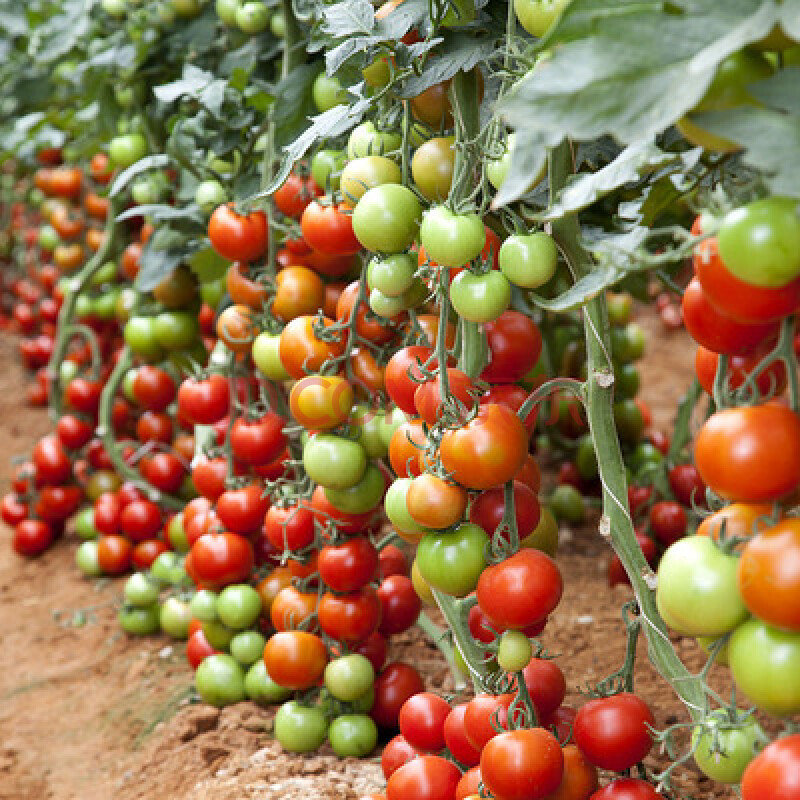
(750, 454)
(428, 395)
(295, 659)
(114, 554)
(736, 521)
(298, 291)
(407, 443)
(302, 351)
(292, 609)
(321, 402)
(236, 327)
(434, 502)
(488, 451)
(243, 290)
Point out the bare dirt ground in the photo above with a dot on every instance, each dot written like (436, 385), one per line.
(88, 714)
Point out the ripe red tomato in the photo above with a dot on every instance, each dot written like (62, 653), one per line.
(525, 764)
(455, 737)
(204, 402)
(424, 778)
(613, 733)
(329, 228)
(521, 590)
(219, 559)
(631, 789)
(238, 237)
(400, 604)
(153, 388)
(396, 753)
(774, 774)
(488, 507)
(750, 454)
(51, 461)
(479, 715)
(114, 554)
(32, 537)
(242, 510)
(515, 345)
(668, 521)
(208, 477)
(393, 687)
(546, 685)
(74, 432)
(772, 381)
(687, 485)
(428, 397)
(258, 441)
(289, 527)
(198, 649)
(422, 719)
(295, 194)
(165, 471)
(350, 617)
(403, 376)
(348, 566)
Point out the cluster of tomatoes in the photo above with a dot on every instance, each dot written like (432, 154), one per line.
(735, 584)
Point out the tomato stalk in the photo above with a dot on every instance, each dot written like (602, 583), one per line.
(105, 431)
(440, 638)
(65, 329)
(616, 524)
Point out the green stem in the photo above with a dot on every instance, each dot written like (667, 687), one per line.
(293, 52)
(439, 638)
(67, 313)
(616, 523)
(105, 430)
(456, 612)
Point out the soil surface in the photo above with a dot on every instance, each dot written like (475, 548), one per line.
(89, 714)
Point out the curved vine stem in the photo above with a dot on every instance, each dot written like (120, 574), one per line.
(76, 285)
(616, 523)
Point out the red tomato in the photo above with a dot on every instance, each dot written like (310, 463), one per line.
(258, 441)
(219, 559)
(403, 376)
(114, 554)
(632, 789)
(668, 521)
(525, 764)
(140, 520)
(238, 237)
(295, 194)
(479, 715)
(546, 685)
(289, 527)
(613, 733)
(396, 753)
(348, 566)
(772, 381)
(350, 617)
(774, 774)
(687, 485)
(198, 649)
(521, 590)
(424, 778)
(393, 687)
(422, 719)
(208, 477)
(455, 737)
(488, 507)
(242, 510)
(329, 229)
(428, 397)
(515, 345)
(400, 605)
(204, 402)
(51, 461)
(31, 537)
(295, 659)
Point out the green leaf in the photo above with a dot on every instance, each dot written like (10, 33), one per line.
(584, 189)
(161, 213)
(583, 290)
(144, 164)
(155, 266)
(528, 157)
(780, 91)
(193, 82)
(771, 142)
(459, 52)
(293, 103)
(630, 69)
(348, 18)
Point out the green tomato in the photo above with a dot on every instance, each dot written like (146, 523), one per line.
(188, 8)
(453, 561)
(349, 677)
(629, 421)
(261, 688)
(378, 73)
(586, 458)
(697, 593)
(367, 422)
(139, 334)
(723, 749)
(105, 305)
(363, 496)
(432, 167)
(626, 382)
(210, 194)
(147, 190)
(84, 307)
(389, 423)
(226, 11)
(366, 140)
(161, 570)
(277, 25)
(707, 643)
(48, 238)
(218, 635)
(645, 458)
(247, 647)
(353, 735)
(528, 261)
(449, 239)
(175, 617)
(497, 168)
(115, 8)
(67, 370)
(392, 276)
(84, 524)
(327, 92)
(219, 680)
(238, 606)
(333, 461)
(208, 265)
(176, 330)
(387, 218)
(176, 534)
(266, 356)
(252, 17)
(127, 300)
(204, 605)
(127, 149)
(104, 480)
(620, 308)
(326, 168)
(384, 306)
(765, 664)
(480, 298)
(139, 621)
(760, 242)
(396, 508)
(300, 729)
(567, 504)
(212, 292)
(627, 344)
(544, 536)
(364, 704)
(140, 591)
(514, 652)
(729, 89)
(86, 559)
(105, 274)
(538, 16)
(367, 172)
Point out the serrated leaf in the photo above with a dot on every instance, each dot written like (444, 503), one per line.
(348, 18)
(293, 103)
(790, 18)
(336, 57)
(459, 53)
(142, 165)
(583, 290)
(584, 189)
(630, 69)
(771, 142)
(403, 17)
(155, 266)
(161, 213)
(192, 82)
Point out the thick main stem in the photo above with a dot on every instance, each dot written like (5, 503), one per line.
(616, 521)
